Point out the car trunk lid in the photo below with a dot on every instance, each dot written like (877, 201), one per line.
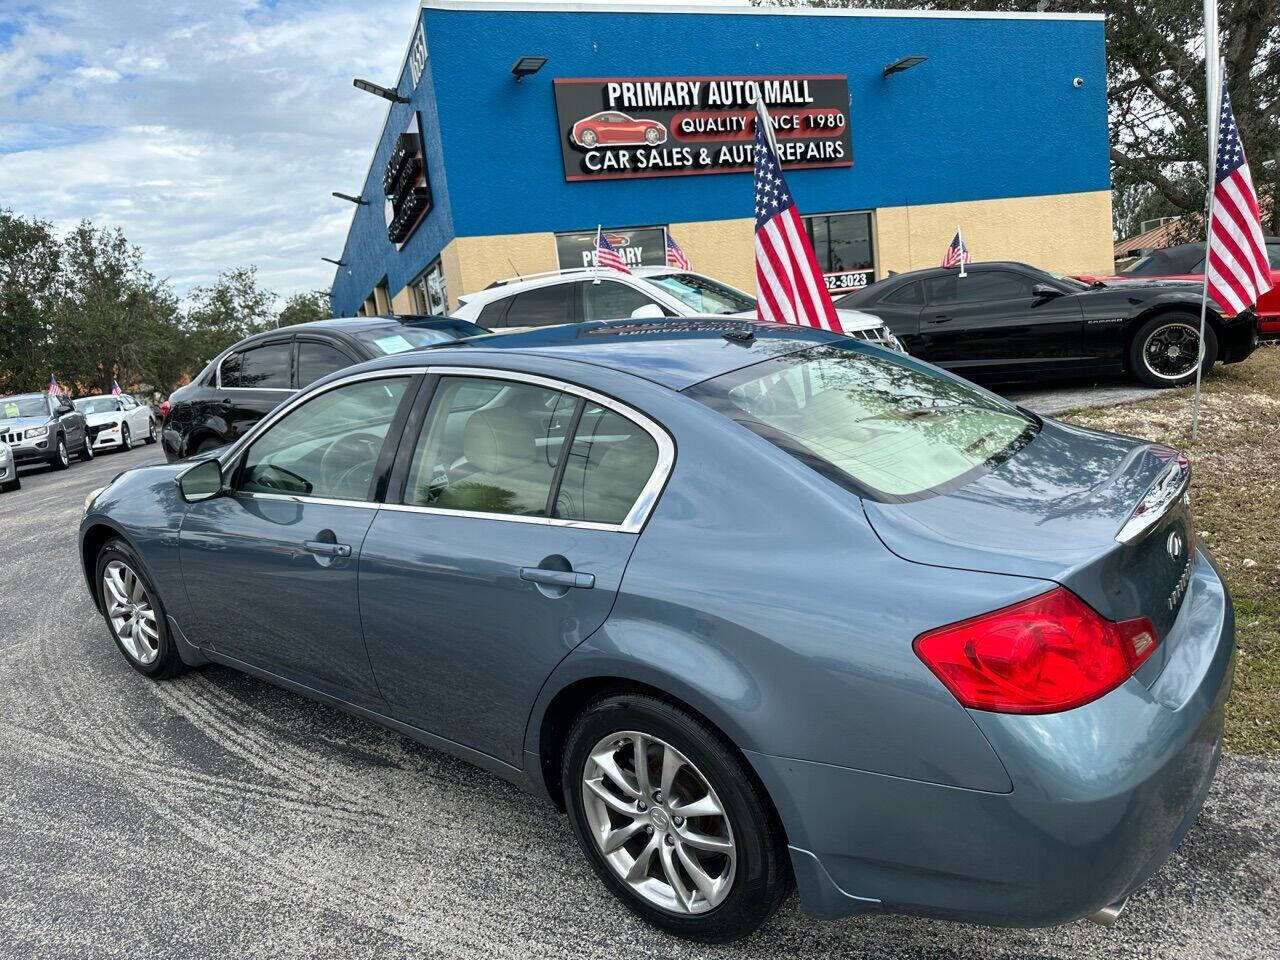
(1055, 511)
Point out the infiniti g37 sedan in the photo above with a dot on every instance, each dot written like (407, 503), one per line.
(755, 606)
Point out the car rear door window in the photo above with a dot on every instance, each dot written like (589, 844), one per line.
(259, 368)
(329, 446)
(541, 306)
(611, 300)
(909, 294)
(609, 464)
(496, 457)
(317, 359)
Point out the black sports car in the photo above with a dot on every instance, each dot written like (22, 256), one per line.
(1010, 322)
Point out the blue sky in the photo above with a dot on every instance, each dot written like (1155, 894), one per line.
(212, 132)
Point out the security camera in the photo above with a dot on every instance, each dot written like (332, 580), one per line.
(1078, 82)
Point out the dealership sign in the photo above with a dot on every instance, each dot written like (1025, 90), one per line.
(671, 126)
(406, 184)
(642, 247)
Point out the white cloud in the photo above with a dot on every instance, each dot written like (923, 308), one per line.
(212, 133)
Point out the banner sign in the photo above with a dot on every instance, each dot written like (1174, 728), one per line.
(614, 128)
(848, 280)
(639, 247)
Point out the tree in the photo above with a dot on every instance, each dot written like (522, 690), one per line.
(29, 271)
(230, 309)
(1155, 89)
(305, 307)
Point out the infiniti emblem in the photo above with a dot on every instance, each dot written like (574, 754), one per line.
(1174, 545)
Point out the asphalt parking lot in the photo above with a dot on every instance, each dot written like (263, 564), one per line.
(216, 816)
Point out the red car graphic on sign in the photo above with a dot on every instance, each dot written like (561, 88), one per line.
(610, 128)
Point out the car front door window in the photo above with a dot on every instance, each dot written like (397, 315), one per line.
(259, 368)
(328, 447)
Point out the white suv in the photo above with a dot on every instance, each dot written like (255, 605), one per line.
(574, 296)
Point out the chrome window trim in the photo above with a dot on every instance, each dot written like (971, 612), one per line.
(301, 498)
(635, 520)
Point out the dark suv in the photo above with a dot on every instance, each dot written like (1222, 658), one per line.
(247, 381)
(42, 427)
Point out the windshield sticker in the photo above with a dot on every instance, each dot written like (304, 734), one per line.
(10, 409)
(393, 344)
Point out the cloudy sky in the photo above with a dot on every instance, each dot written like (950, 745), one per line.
(212, 132)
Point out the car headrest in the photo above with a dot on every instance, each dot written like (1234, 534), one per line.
(497, 440)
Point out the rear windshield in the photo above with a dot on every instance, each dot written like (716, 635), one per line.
(883, 426)
(399, 337)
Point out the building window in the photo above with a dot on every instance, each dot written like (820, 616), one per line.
(639, 246)
(430, 294)
(845, 249)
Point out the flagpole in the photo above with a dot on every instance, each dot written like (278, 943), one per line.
(595, 254)
(1213, 100)
(960, 234)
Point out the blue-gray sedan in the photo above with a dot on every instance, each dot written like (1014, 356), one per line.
(754, 605)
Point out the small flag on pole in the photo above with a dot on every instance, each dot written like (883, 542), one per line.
(788, 280)
(675, 256)
(1239, 271)
(115, 388)
(54, 389)
(957, 254)
(607, 254)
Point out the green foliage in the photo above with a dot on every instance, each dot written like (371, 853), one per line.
(85, 309)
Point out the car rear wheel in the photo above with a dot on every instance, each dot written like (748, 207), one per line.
(126, 442)
(134, 614)
(1164, 350)
(671, 820)
(60, 459)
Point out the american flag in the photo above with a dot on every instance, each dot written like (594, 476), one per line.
(675, 256)
(1238, 269)
(789, 283)
(957, 253)
(607, 254)
(54, 389)
(115, 388)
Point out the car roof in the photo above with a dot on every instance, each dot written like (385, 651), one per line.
(24, 396)
(675, 352)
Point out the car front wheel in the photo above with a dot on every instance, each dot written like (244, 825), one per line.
(671, 819)
(151, 431)
(1164, 351)
(60, 460)
(134, 614)
(126, 442)
(589, 138)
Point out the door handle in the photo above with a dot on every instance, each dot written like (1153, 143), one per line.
(558, 578)
(323, 548)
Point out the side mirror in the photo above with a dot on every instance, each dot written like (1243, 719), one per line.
(201, 482)
(1042, 291)
(650, 311)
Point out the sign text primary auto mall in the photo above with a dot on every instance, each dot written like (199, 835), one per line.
(671, 126)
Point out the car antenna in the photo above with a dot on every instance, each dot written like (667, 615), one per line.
(513, 268)
(744, 333)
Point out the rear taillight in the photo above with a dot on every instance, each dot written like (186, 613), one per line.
(164, 409)
(1052, 652)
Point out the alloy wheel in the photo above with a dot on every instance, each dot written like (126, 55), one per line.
(63, 458)
(658, 823)
(1172, 350)
(125, 442)
(131, 611)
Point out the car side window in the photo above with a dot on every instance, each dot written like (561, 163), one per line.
(494, 315)
(541, 306)
(611, 300)
(329, 446)
(316, 359)
(496, 457)
(610, 461)
(260, 368)
(1273, 255)
(909, 294)
(978, 287)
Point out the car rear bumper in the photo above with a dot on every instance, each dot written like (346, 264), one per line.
(1102, 796)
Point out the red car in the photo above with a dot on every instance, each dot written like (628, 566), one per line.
(610, 128)
(1185, 261)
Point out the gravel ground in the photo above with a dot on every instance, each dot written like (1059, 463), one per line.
(216, 816)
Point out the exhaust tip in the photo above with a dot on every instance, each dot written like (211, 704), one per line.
(1108, 915)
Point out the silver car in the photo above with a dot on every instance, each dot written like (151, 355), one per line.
(44, 428)
(8, 470)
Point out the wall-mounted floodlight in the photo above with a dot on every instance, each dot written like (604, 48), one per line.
(378, 91)
(348, 197)
(336, 263)
(527, 67)
(906, 63)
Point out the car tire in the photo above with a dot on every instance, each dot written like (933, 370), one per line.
(1161, 353)
(207, 444)
(126, 442)
(12, 485)
(151, 431)
(86, 452)
(589, 139)
(60, 459)
(148, 648)
(742, 887)
(651, 136)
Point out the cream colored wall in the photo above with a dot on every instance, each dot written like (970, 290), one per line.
(1066, 233)
(472, 263)
(403, 303)
(723, 249)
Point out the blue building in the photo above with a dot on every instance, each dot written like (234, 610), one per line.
(522, 127)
